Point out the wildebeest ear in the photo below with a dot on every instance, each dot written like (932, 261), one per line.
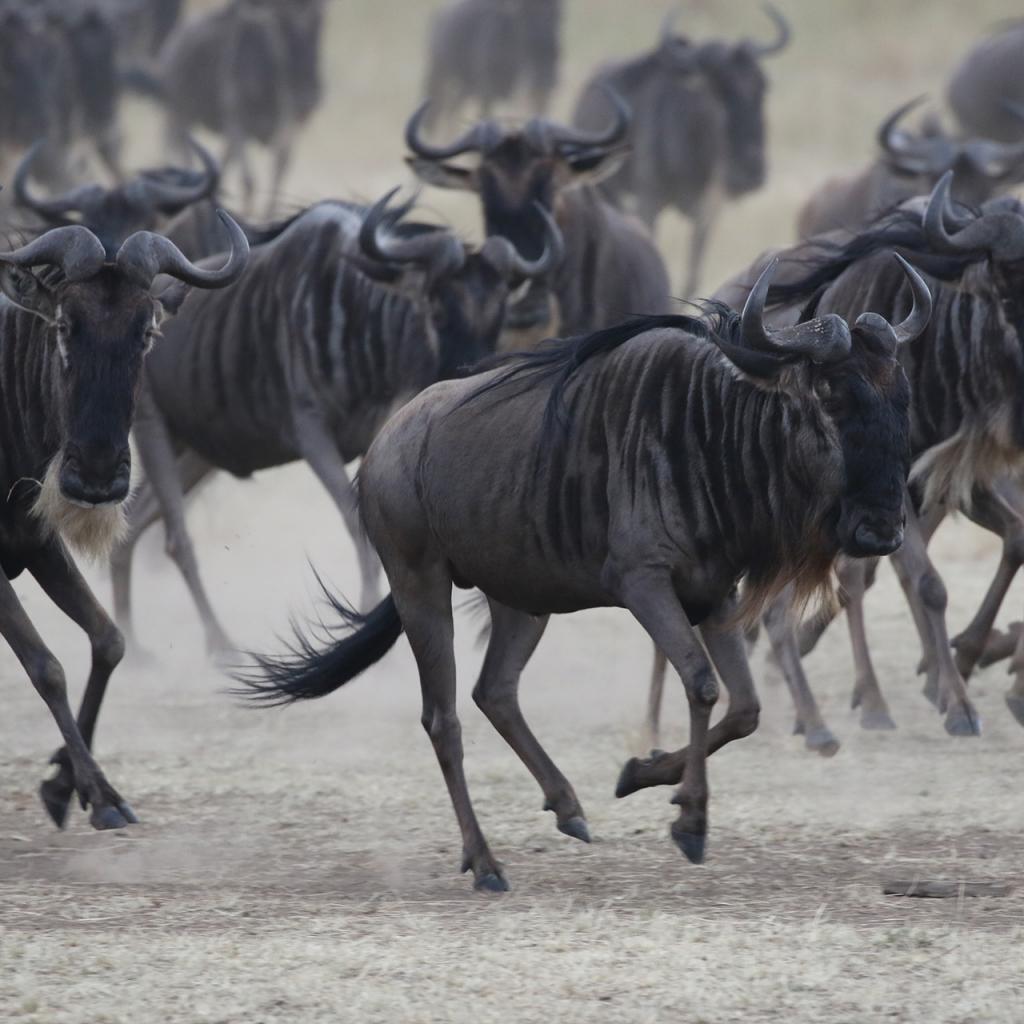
(27, 292)
(590, 166)
(443, 175)
(173, 296)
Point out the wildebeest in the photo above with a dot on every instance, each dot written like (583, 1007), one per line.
(986, 91)
(341, 319)
(611, 267)
(250, 71)
(645, 466)
(908, 165)
(698, 129)
(144, 25)
(73, 335)
(488, 51)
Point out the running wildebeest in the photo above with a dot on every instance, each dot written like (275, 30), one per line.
(908, 165)
(340, 320)
(643, 466)
(611, 269)
(249, 71)
(986, 92)
(967, 375)
(491, 50)
(697, 135)
(73, 336)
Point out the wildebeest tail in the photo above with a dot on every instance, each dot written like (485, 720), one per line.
(317, 666)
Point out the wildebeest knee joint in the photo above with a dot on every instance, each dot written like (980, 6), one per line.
(932, 591)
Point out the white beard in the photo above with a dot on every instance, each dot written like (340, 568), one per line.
(91, 532)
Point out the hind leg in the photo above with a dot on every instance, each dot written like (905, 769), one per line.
(659, 667)
(514, 638)
(424, 601)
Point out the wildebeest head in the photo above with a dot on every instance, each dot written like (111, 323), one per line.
(520, 173)
(862, 389)
(734, 73)
(101, 317)
(465, 291)
(112, 214)
(980, 166)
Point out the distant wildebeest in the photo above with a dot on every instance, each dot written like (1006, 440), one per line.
(698, 130)
(908, 165)
(986, 91)
(611, 269)
(967, 376)
(144, 25)
(250, 71)
(73, 336)
(489, 51)
(645, 467)
(341, 319)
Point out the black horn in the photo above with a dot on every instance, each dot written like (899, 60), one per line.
(782, 34)
(435, 249)
(75, 249)
(163, 192)
(513, 265)
(1000, 232)
(614, 135)
(916, 321)
(470, 141)
(908, 152)
(57, 209)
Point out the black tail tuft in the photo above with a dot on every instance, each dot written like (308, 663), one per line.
(310, 670)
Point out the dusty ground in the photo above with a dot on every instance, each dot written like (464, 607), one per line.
(301, 866)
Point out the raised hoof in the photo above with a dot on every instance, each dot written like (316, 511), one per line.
(877, 720)
(56, 796)
(823, 742)
(629, 778)
(691, 843)
(106, 818)
(1016, 706)
(491, 882)
(961, 721)
(576, 828)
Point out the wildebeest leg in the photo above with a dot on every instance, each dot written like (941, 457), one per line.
(1001, 511)
(109, 810)
(64, 585)
(424, 602)
(809, 720)
(867, 694)
(927, 598)
(319, 449)
(160, 461)
(659, 667)
(514, 638)
(703, 220)
(236, 152)
(281, 160)
(727, 648)
(651, 598)
(143, 511)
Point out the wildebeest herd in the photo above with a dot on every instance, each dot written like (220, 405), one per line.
(535, 418)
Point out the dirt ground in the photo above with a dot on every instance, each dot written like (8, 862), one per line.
(302, 865)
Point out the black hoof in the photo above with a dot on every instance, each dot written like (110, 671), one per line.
(491, 882)
(962, 721)
(691, 843)
(107, 818)
(1016, 706)
(822, 741)
(56, 796)
(576, 828)
(877, 720)
(629, 780)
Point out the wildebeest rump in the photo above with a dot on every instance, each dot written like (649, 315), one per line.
(650, 466)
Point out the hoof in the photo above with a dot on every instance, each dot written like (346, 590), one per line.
(877, 720)
(855, 699)
(1016, 705)
(691, 843)
(799, 729)
(931, 693)
(576, 828)
(56, 797)
(491, 882)
(629, 778)
(823, 742)
(105, 818)
(963, 721)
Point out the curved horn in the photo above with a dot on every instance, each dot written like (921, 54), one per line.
(909, 152)
(164, 194)
(75, 249)
(438, 250)
(614, 135)
(825, 340)
(514, 266)
(144, 255)
(917, 319)
(999, 232)
(465, 143)
(782, 33)
(938, 211)
(54, 210)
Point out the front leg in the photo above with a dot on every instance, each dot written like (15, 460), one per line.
(109, 810)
